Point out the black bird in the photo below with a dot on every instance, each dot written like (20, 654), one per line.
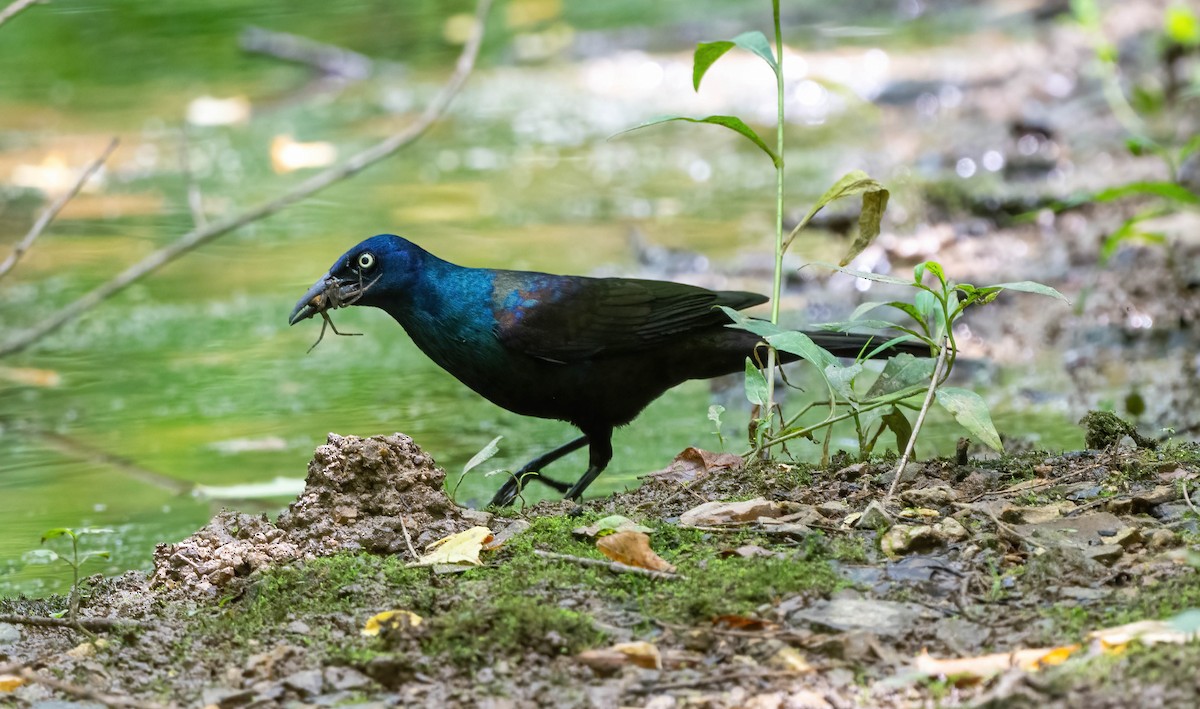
(592, 352)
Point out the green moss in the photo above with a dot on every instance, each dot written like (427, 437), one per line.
(509, 626)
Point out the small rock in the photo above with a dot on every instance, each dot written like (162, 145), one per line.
(346, 678)
(1119, 506)
(1106, 554)
(937, 496)
(225, 698)
(1163, 539)
(874, 517)
(298, 627)
(852, 472)
(833, 509)
(951, 530)
(305, 682)
(1143, 501)
(882, 618)
(477, 517)
(1084, 492)
(1015, 514)
(908, 539)
(1127, 537)
(9, 634)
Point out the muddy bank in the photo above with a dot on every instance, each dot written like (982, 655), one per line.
(820, 594)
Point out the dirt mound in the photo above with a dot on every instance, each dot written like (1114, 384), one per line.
(361, 494)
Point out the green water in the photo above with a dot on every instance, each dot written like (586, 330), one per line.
(193, 377)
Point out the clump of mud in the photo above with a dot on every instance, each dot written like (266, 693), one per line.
(361, 494)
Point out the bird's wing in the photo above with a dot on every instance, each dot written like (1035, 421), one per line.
(567, 319)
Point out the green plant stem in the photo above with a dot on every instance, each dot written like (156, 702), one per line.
(801, 432)
(777, 285)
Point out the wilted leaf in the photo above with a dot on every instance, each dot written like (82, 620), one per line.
(875, 198)
(789, 658)
(973, 669)
(740, 622)
(712, 514)
(9, 683)
(632, 548)
(611, 524)
(970, 410)
(694, 463)
(391, 620)
(461, 548)
(608, 660)
(898, 424)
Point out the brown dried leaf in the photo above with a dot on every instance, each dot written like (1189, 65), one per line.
(632, 548)
(713, 514)
(694, 463)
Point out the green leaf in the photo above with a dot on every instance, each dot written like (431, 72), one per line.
(910, 310)
(901, 372)
(88, 555)
(707, 53)
(762, 328)
(970, 410)
(485, 454)
(936, 269)
(841, 380)
(714, 414)
(756, 385)
(849, 325)
(1031, 287)
(1169, 190)
(57, 532)
(733, 123)
(894, 341)
(798, 343)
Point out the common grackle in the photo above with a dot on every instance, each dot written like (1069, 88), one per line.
(590, 351)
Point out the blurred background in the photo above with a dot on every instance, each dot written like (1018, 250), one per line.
(997, 125)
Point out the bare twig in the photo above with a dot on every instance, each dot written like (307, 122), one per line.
(912, 440)
(614, 566)
(52, 211)
(90, 623)
(202, 235)
(1188, 499)
(75, 690)
(325, 58)
(9, 12)
(408, 539)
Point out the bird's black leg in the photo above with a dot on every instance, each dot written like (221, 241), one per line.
(599, 454)
(533, 471)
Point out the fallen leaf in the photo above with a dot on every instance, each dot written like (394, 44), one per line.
(694, 463)
(608, 660)
(461, 548)
(611, 525)
(1177, 630)
(789, 658)
(739, 622)
(632, 548)
(973, 669)
(10, 682)
(713, 514)
(391, 620)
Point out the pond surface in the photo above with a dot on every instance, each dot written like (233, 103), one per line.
(192, 376)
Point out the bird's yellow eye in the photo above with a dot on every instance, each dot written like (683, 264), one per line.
(366, 260)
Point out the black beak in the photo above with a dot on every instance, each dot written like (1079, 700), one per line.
(315, 300)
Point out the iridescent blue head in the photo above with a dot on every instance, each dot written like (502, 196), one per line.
(376, 271)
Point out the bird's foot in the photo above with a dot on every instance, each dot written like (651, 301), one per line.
(512, 487)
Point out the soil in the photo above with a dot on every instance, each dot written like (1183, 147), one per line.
(823, 595)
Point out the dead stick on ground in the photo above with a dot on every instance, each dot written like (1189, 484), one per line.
(9, 12)
(202, 235)
(89, 623)
(81, 692)
(408, 539)
(1188, 499)
(52, 211)
(912, 440)
(614, 566)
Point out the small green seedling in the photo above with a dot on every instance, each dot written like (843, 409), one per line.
(76, 559)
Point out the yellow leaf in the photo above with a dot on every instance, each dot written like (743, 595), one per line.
(10, 682)
(632, 548)
(461, 548)
(642, 654)
(391, 620)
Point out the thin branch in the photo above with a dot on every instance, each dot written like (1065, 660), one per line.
(912, 440)
(9, 12)
(408, 539)
(200, 236)
(89, 623)
(614, 566)
(52, 211)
